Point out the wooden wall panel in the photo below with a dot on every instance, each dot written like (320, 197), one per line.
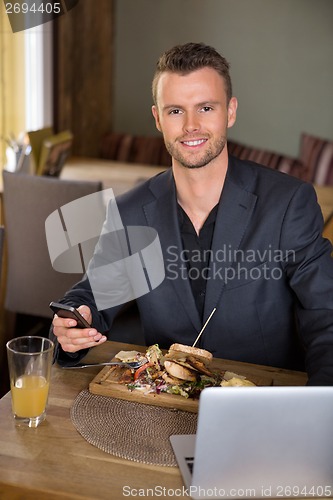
(83, 73)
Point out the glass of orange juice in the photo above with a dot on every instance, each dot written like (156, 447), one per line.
(29, 362)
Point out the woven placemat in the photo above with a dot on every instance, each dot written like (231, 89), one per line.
(130, 430)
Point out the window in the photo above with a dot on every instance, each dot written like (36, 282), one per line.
(38, 77)
(25, 80)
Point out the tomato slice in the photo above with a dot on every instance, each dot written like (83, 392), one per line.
(142, 369)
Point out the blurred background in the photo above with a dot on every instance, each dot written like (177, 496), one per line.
(90, 70)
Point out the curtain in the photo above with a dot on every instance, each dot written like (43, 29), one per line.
(12, 84)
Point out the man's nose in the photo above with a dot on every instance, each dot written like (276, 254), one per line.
(192, 122)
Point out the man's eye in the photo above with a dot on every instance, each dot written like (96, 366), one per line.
(206, 108)
(174, 112)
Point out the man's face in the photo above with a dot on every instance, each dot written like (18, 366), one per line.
(193, 115)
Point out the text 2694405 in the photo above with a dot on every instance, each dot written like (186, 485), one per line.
(37, 8)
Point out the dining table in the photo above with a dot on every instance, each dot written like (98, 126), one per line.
(118, 175)
(55, 461)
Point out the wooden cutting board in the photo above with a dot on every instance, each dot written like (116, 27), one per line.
(105, 384)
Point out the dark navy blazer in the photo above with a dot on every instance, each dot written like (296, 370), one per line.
(271, 273)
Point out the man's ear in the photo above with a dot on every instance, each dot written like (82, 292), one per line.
(232, 111)
(156, 116)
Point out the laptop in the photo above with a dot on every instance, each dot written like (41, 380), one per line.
(259, 442)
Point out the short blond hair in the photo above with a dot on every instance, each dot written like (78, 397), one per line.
(184, 59)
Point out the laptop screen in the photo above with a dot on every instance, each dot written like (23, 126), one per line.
(260, 442)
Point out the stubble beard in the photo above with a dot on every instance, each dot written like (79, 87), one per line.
(197, 161)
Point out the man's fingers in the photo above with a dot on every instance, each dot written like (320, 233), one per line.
(85, 312)
(87, 345)
(82, 339)
(77, 335)
(73, 339)
(76, 344)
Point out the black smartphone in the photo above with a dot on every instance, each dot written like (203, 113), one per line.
(65, 311)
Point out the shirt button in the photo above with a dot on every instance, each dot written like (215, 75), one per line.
(202, 293)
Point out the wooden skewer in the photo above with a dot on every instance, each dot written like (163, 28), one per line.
(202, 329)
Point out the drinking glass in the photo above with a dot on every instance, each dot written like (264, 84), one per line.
(29, 363)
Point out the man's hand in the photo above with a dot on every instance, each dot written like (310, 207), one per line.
(74, 339)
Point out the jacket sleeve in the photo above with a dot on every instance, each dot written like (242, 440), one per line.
(309, 268)
(81, 294)
(105, 288)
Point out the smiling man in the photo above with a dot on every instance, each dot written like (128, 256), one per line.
(193, 111)
(238, 238)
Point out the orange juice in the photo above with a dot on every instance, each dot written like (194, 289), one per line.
(29, 395)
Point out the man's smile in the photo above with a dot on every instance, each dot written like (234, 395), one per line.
(194, 142)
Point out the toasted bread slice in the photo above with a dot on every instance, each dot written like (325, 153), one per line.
(181, 352)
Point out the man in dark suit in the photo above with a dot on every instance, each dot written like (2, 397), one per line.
(236, 236)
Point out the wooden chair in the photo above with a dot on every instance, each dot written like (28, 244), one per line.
(31, 280)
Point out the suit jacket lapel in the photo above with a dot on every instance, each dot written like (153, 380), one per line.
(234, 213)
(162, 215)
